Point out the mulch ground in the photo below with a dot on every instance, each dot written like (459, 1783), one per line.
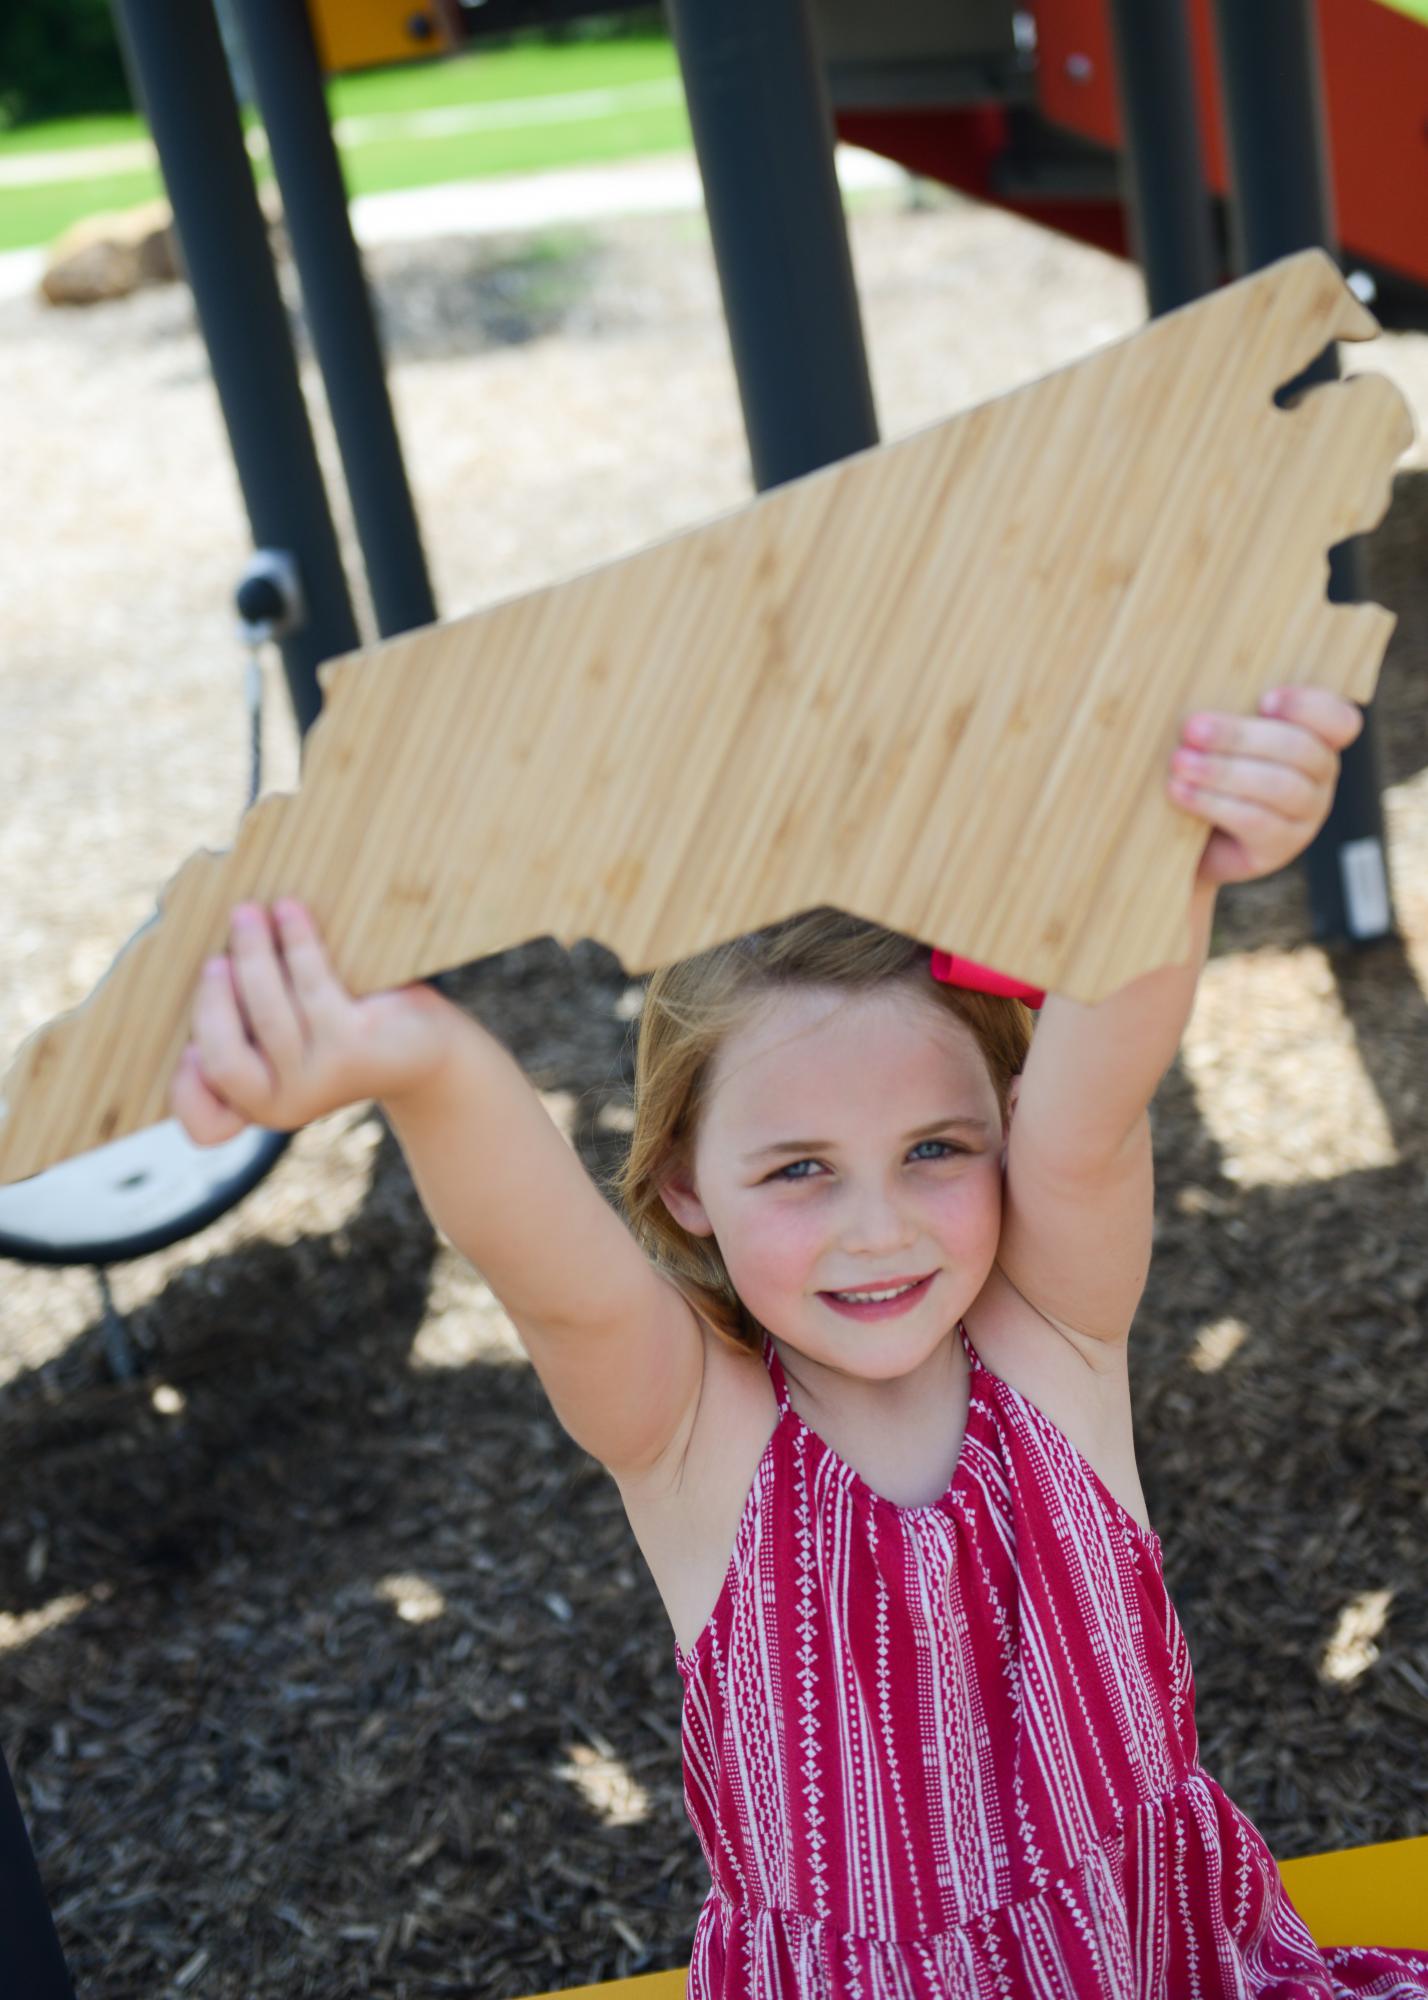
(329, 1665)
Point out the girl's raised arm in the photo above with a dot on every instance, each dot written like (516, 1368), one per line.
(1078, 1202)
(1079, 1198)
(618, 1349)
(279, 1041)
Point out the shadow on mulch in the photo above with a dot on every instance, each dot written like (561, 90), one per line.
(454, 295)
(365, 1688)
(434, 300)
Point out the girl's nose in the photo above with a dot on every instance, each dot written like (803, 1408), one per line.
(876, 1227)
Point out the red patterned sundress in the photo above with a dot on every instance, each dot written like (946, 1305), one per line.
(949, 1752)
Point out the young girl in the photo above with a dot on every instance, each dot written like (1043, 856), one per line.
(858, 1366)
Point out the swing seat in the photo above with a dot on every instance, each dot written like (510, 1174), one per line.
(1360, 1895)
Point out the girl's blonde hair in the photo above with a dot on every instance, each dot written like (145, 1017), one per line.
(691, 1007)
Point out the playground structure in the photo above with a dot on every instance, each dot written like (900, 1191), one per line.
(771, 397)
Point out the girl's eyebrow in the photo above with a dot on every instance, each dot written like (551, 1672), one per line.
(976, 1125)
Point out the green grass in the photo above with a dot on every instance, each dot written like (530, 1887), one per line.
(36, 215)
(56, 135)
(31, 215)
(475, 78)
(409, 163)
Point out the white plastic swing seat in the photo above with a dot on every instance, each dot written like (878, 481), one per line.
(137, 1194)
(1360, 1895)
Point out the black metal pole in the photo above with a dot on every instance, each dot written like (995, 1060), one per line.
(1274, 118)
(31, 1962)
(188, 98)
(1163, 165)
(763, 132)
(287, 79)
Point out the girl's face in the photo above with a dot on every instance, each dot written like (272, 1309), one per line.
(849, 1141)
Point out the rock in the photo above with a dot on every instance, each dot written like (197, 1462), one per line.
(109, 256)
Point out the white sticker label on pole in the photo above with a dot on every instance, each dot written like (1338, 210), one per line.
(1365, 883)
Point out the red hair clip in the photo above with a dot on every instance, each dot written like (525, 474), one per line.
(954, 971)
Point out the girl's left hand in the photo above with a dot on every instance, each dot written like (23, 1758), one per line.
(1265, 783)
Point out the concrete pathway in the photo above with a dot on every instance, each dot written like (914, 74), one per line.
(665, 184)
(668, 183)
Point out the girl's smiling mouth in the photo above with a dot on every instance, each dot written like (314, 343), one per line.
(880, 1308)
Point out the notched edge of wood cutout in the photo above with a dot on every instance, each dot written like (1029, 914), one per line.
(265, 858)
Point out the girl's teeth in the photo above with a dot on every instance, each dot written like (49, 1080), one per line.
(873, 1298)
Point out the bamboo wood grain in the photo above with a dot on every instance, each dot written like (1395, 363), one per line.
(936, 685)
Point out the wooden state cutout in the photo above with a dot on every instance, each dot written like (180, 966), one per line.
(936, 685)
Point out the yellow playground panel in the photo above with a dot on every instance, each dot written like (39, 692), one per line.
(368, 34)
(1363, 1895)
(649, 1986)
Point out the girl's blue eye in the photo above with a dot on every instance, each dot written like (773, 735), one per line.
(787, 1173)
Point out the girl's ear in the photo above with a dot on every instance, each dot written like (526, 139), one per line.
(680, 1196)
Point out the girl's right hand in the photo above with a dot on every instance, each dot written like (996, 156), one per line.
(278, 1040)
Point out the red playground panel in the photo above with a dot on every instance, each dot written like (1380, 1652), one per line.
(1374, 63)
